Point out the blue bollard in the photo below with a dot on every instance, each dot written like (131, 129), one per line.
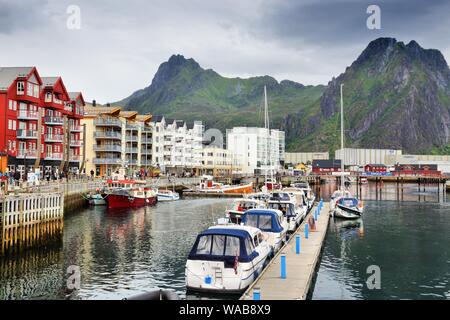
(256, 294)
(283, 266)
(297, 244)
(306, 230)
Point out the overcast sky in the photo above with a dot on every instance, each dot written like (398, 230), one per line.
(120, 44)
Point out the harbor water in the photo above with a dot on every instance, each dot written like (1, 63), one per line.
(121, 253)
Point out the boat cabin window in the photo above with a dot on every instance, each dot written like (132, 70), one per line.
(265, 222)
(204, 245)
(218, 245)
(233, 246)
(256, 240)
(252, 221)
(260, 237)
(249, 246)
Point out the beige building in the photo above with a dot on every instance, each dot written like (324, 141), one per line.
(217, 161)
(295, 158)
(116, 138)
(362, 157)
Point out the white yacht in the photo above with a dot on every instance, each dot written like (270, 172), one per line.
(226, 258)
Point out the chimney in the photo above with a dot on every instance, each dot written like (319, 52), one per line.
(94, 103)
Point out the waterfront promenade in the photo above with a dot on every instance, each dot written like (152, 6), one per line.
(299, 268)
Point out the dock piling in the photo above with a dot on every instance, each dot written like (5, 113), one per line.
(256, 294)
(306, 230)
(283, 265)
(297, 244)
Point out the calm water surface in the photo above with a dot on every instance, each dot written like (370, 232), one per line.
(122, 253)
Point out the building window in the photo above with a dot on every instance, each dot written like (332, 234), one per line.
(11, 124)
(20, 87)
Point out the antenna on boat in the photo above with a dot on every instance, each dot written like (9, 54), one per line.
(342, 138)
(267, 127)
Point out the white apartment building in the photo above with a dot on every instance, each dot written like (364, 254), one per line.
(256, 154)
(176, 145)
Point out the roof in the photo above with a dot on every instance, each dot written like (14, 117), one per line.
(74, 95)
(49, 81)
(264, 212)
(144, 117)
(179, 123)
(128, 114)
(97, 110)
(9, 74)
(227, 231)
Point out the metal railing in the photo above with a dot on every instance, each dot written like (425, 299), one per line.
(107, 161)
(27, 115)
(53, 137)
(107, 122)
(27, 134)
(108, 135)
(53, 120)
(108, 147)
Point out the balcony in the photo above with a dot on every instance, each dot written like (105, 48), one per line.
(49, 137)
(131, 138)
(146, 152)
(75, 143)
(108, 147)
(131, 126)
(74, 158)
(108, 135)
(131, 150)
(27, 134)
(131, 162)
(75, 128)
(53, 121)
(26, 154)
(108, 122)
(53, 156)
(27, 115)
(107, 161)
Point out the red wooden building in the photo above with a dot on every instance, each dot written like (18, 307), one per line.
(326, 166)
(36, 117)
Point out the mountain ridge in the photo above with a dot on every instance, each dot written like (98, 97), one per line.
(396, 95)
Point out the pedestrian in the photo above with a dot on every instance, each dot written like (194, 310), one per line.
(92, 174)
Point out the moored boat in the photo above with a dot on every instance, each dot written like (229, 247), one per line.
(131, 198)
(226, 259)
(239, 206)
(271, 222)
(209, 186)
(348, 208)
(167, 195)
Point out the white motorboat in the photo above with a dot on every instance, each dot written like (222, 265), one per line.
(304, 186)
(348, 208)
(239, 206)
(226, 258)
(167, 195)
(301, 201)
(287, 205)
(271, 222)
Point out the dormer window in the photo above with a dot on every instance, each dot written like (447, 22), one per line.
(48, 97)
(20, 88)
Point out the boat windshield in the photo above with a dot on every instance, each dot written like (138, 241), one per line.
(287, 208)
(348, 202)
(218, 245)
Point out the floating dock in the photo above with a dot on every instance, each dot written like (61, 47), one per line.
(193, 194)
(300, 267)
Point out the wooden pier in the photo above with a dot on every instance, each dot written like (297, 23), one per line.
(30, 219)
(300, 268)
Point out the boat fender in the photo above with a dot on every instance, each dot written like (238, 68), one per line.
(312, 223)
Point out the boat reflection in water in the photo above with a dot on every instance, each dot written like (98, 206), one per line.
(349, 229)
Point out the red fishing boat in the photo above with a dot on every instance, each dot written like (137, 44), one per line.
(132, 198)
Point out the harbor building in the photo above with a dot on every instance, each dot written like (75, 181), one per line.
(361, 157)
(294, 158)
(441, 161)
(115, 139)
(177, 145)
(218, 161)
(37, 115)
(257, 155)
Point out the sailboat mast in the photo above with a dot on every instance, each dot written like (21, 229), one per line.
(342, 139)
(267, 129)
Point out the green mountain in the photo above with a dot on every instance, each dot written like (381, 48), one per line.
(182, 89)
(395, 96)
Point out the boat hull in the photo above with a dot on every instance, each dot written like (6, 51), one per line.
(123, 201)
(166, 198)
(346, 213)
